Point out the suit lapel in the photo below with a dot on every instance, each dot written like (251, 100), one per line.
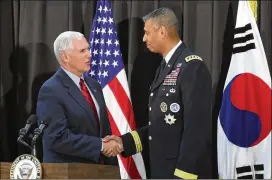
(76, 94)
(168, 67)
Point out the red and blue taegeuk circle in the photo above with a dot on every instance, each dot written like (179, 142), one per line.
(245, 114)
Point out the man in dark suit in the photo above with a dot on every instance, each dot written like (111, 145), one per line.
(180, 123)
(76, 108)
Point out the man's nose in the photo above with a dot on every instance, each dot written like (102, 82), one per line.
(89, 54)
(144, 39)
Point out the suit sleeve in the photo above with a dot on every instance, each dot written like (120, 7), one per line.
(194, 151)
(133, 141)
(57, 136)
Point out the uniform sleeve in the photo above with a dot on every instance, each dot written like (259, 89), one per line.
(194, 151)
(133, 141)
(57, 136)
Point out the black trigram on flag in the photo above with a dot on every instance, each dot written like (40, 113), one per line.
(243, 39)
(246, 172)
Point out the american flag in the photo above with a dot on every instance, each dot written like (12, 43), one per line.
(108, 68)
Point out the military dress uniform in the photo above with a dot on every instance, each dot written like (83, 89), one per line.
(180, 124)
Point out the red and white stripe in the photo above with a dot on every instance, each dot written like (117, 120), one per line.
(121, 116)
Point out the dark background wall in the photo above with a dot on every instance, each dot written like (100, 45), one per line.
(29, 28)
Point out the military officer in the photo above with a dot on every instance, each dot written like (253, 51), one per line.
(180, 124)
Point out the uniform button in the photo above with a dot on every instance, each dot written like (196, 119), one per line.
(150, 138)
(167, 94)
(149, 123)
(151, 94)
(169, 65)
(149, 108)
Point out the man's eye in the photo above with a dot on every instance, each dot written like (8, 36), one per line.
(83, 50)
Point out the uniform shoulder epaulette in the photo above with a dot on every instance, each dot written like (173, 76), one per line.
(193, 57)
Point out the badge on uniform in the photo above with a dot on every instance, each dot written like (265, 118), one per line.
(163, 107)
(174, 107)
(169, 119)
(179, 65)
(171, 78)
(172, 90)
(193, 57)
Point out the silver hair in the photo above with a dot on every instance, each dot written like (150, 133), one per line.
(163, 17)
(64, 42)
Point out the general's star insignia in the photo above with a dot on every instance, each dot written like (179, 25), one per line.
(169, 119)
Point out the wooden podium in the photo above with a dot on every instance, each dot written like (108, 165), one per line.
(69, 171)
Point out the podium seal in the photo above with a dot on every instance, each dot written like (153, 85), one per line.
(26, 166)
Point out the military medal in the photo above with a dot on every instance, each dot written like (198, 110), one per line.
(171, 78)
(163, 107)
(169, 119)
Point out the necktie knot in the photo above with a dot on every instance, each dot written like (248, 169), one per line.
(82, 85)
(81, 82)
(163, 63)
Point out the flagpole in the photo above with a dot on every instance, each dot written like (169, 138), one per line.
(254, 7)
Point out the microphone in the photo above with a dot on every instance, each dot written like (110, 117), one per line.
(38, 131)
(22, 133)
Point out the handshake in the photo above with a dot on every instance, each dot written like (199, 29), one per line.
(112, 146)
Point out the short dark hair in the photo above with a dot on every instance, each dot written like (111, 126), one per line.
(163, 17)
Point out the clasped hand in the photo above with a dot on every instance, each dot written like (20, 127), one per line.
(112, 146)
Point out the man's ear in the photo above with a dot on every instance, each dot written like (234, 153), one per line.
(64, 56)
(162, 31)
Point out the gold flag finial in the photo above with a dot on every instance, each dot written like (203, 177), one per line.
(254, 8)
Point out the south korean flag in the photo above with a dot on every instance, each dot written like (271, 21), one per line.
(244, 122)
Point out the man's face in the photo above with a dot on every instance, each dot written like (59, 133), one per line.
(78, 58)
(152, 36)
